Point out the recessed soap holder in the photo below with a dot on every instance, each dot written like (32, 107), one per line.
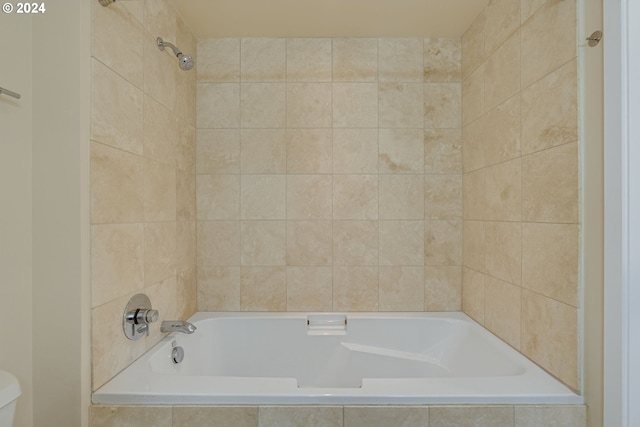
(137, 316)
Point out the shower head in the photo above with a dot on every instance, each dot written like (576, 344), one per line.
(106, 3)
(185, 62)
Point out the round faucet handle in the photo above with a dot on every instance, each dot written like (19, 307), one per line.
(151, 316)
(145, 316)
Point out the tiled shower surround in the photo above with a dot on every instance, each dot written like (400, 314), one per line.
(142, 176)
(329, 174)
(521, 183)
(339, 174)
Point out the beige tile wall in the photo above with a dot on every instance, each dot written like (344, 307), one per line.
(520, 183)
(329, 174)
(340, 416)
(143, 186)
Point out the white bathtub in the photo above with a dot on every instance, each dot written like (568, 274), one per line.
(359, 358)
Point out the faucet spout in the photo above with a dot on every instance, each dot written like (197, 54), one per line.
(177, 326)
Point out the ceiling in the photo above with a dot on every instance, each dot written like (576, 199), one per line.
(328, 18)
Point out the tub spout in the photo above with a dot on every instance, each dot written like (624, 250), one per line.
(177, 326)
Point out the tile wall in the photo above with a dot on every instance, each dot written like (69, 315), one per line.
(142, 175)
(329, 174)
(339, 416)
(521, 183)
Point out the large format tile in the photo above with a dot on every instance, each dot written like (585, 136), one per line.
(355, 242)
(401, 151)
(502, 71)
(374, 416)
(215, 416)
(471, 416)
(263, 243)
(116, 41)
(355, 59)
(442, 288)
(218, 105)
(218, 60)
(442, 151)
(218, 196)
(473, 46)
(400, 105)
(309, 60)
(503, 191)
(309, 151)
(548, 39)
(401, 288)
(442, 60)
(355, 197)
(355, 288)
(400, 60)
(263, 196)
(263, 60)
(442, 105)
(309, 288)
(263, 289)
(502, 314)
(550, 110)
(309, 196)
(309, 243)
(443, 242)
(218, 288)
(550, 185)
(355, 150)
(502, 18)
(263, 105)
(117, 185)
(550, 260)
(300, 416)
(504, 250)
(355, 105)
(130, 416)
(550, 336)
(263, 151)
(401, 197)
(401, 243)
(217, 151)
(551, 416)
(116, 110)
(473, 294)
(116, 261)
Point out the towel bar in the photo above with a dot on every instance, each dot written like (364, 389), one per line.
(9, 92)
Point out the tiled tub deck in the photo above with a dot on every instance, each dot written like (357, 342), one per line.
(339, 416)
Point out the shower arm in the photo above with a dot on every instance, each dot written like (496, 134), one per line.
(162, 44)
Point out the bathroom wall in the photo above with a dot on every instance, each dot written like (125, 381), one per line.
(521, 184)
(142, 175)
(329, 174)
(61, 287)
(16, 249)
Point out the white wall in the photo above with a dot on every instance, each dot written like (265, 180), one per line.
(15, 209)
(44, 290)
(61, 319)
(622, 210)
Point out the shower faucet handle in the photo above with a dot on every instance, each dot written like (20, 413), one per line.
(137, 316)
(143, 316)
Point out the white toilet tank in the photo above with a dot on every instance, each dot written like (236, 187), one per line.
(9, 392)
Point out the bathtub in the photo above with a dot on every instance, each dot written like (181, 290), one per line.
(332, 358)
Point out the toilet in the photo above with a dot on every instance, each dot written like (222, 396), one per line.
(9, 392)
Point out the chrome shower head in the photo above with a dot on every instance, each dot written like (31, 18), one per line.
(106, 3)
(185, 62)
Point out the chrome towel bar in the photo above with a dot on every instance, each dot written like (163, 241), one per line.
(9, 92)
